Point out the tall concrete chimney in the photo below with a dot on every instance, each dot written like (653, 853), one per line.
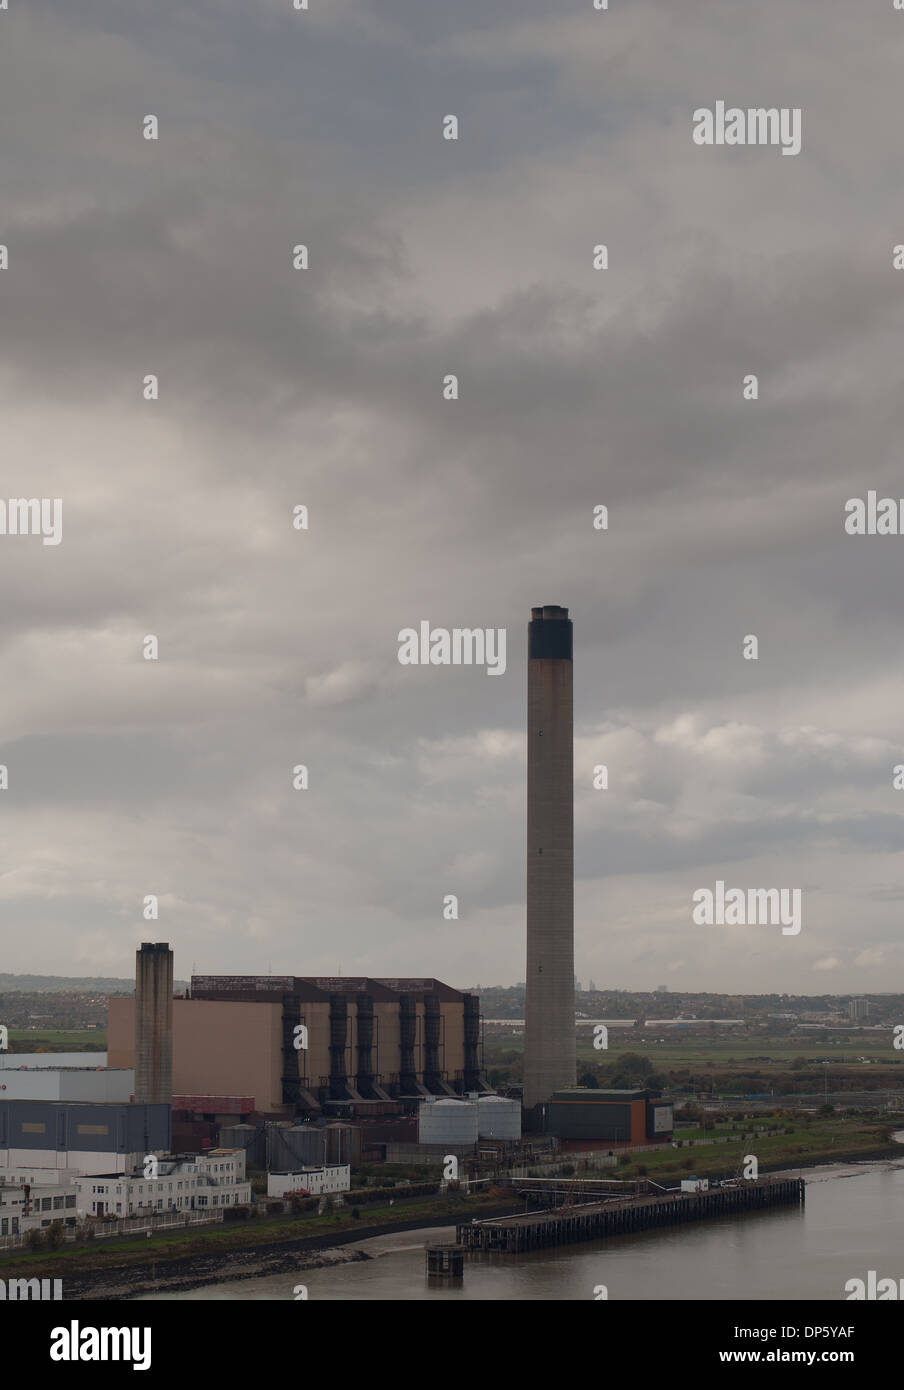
(154, 1024)
(549, 1038)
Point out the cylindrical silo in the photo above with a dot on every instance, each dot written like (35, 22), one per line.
(452, 1122)
(306, 1145)
(295, 1146)
(247, 1137)
(498, 1118)
(343, 1143)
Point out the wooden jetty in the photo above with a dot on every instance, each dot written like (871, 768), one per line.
(594, 1220)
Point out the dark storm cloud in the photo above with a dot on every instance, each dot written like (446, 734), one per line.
(325, 387)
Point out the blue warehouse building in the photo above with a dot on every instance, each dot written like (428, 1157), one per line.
(89, 1138)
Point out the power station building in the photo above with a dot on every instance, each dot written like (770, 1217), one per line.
(295, 1043)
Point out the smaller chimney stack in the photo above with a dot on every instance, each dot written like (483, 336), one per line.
(154, 1024)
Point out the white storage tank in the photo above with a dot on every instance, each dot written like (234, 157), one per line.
(452, 1122)
(498, 1118)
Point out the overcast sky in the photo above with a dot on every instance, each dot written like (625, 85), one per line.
(324, 387)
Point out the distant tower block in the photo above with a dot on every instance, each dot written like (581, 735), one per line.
(154, 1024)
(549, 1042)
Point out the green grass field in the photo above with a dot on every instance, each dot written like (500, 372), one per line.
(692, 1052)
(689, 1053)
(839, 1135)
(58, 1039)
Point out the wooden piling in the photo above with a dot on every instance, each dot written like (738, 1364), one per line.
(593, 1220)
(447, 1261)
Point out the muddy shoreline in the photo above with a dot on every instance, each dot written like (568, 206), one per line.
(288, 1257)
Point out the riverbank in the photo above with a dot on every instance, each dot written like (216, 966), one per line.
(170, 1272)
(367, 1245)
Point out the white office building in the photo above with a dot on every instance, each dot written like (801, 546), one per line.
(197, 1182)
(335, 1177)
(36, 1198)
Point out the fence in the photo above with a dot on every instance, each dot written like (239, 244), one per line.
(130, 1226)
(590, 1160)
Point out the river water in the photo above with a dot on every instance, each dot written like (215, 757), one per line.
(852, 1222)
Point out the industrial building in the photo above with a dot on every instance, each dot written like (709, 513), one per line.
(584, 1117)
(316, 1181)
(549, 1033)
(98, 1084)
(54, 1060)
(369, 1042)
(89, 1138)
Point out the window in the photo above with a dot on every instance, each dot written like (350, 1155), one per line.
(4, 1226)
(70, 1201)
(46, 1203)
(57, 1203)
